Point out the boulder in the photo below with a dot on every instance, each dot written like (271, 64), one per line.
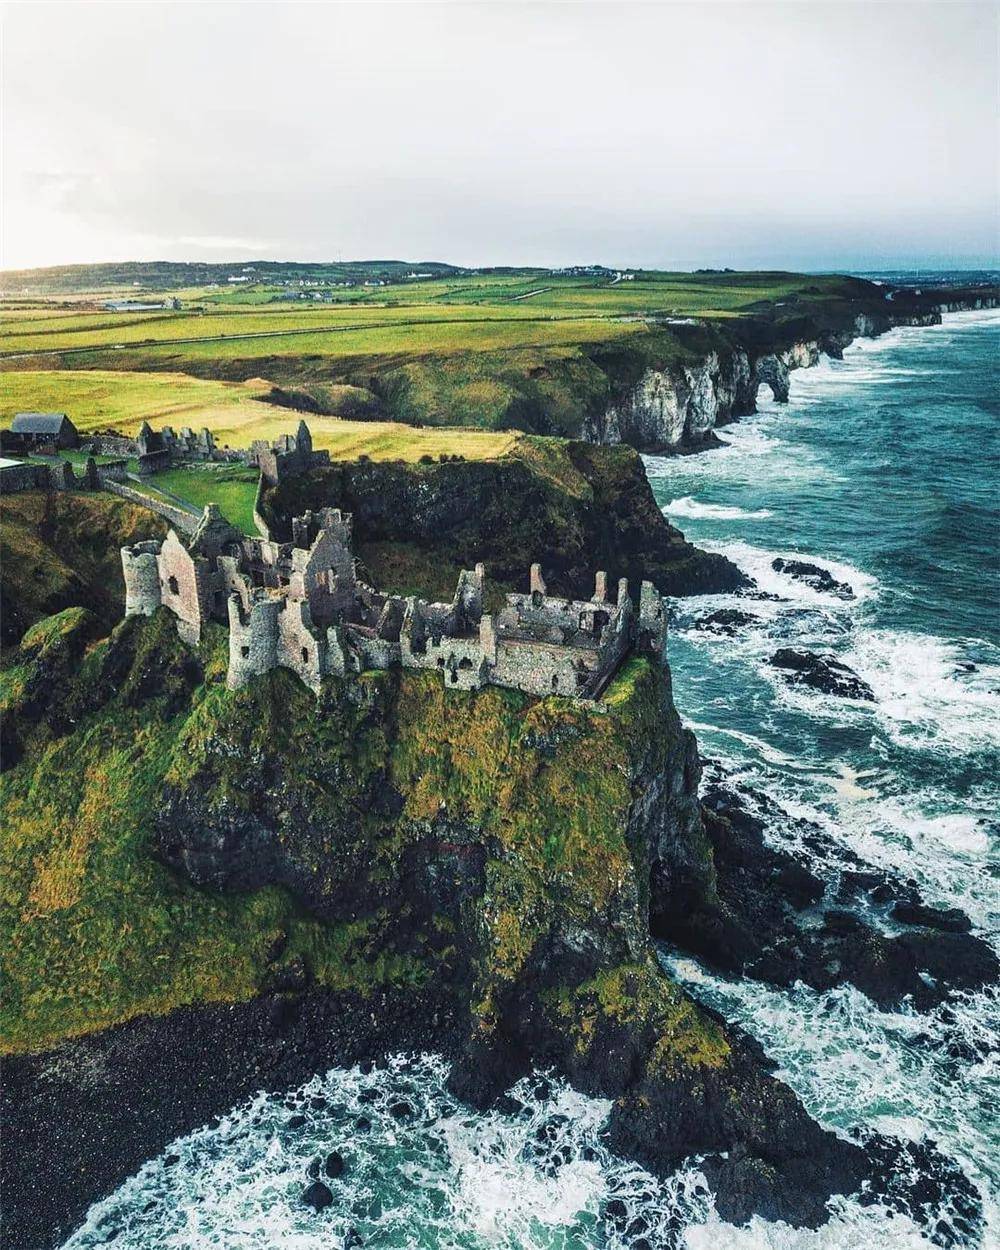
(727, 621)
(317, 1196)
(813, 575)
(334, 1165)
(821, 672)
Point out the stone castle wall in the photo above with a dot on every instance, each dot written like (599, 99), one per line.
(184, 521)
(300, 606)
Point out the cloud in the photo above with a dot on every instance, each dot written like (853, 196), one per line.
(677, 134)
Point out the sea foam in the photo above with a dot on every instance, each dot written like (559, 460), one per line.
(688, 506)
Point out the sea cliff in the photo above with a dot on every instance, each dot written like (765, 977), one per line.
(174, 847)
(675, 405)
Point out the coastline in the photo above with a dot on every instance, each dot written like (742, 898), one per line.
(81, 1118)
(258, 1053)
(675, 410)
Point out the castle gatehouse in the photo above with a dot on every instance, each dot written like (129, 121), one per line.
(300, 605)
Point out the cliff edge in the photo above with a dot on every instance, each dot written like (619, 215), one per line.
(238, 869)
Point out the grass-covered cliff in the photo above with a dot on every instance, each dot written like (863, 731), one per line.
(131, 751)
(169, 844)
(546, 353)
(60, 550)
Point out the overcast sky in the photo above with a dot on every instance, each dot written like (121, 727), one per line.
(805, 135)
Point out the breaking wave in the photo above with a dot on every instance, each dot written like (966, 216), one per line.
(688, 506)
(857, 472)
(420, 1171)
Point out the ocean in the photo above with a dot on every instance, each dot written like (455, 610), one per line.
(881, 469)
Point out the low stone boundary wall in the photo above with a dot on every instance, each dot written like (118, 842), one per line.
(23, 476)
(110, 444)
(186, 522)
(258, 520)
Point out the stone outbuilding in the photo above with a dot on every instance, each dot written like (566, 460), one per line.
(44, 429)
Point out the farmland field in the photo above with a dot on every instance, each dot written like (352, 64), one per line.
(522, 349)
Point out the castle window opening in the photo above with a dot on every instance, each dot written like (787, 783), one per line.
(465, 663)
(172, 584)
(555, 681)
(305, 655)
(245, 652)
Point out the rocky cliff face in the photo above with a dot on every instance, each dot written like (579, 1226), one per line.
(668, 408)
(487, 851)
(571, 506)
(677, 407)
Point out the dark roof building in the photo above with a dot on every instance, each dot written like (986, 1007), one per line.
(45, 427)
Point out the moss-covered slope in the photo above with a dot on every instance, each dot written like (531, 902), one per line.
(61, 549)
(167, 841)
(133, 745)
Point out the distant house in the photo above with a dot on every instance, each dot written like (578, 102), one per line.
(137, 305)
(37, 429)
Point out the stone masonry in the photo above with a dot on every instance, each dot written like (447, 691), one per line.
(300, 605)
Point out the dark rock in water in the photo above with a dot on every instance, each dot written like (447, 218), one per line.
(335, 1165)
(763, 596)
(313, 1169)
(295, 1121)
(956, 960)
(646, 1124)
(752, 926)
(948, 919)
(726, 621)
(813, 575)
(918, 1180)
(170, 1160)
(615, 1210)
(879, 887)
(400, 1110)
(821, 672)
(317, 1196)
(363, 1124)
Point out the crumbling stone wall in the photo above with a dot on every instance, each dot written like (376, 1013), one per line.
(23, 476)
(288, 456)
(300, 606)
(177, 517)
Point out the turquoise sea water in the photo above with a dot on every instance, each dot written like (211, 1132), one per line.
(882, 468)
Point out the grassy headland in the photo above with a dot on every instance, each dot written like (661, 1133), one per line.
(96, 930)
(528, 350)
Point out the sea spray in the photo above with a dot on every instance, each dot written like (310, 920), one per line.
(420, 1170)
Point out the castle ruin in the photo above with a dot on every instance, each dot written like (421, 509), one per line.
(301, 605)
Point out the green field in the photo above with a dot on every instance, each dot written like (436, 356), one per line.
(98, 399)
(453, 314)
(489, 350)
